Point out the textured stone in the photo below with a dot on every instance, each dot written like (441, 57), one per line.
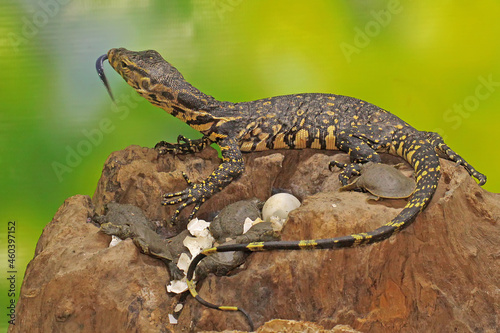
(76, 283)
(139, 176)
(439, 275)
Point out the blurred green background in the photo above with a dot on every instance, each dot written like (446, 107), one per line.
(433, 63)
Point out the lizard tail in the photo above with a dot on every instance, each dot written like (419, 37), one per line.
(425, 161)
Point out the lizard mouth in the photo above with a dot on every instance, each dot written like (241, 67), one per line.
(100, 71)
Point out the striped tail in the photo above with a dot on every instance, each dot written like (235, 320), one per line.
(419, 153)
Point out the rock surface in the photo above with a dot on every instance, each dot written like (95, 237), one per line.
(439, 275)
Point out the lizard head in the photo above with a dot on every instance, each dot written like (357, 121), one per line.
(162, 85)
(146, 71)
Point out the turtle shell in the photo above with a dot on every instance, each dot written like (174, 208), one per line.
(383, 181)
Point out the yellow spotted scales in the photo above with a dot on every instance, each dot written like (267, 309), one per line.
(318, 121)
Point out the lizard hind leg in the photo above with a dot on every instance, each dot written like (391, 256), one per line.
(444, 151)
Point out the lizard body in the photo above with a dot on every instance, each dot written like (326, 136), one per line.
(318, 121)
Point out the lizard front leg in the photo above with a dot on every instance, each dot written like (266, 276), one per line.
(232, 166)
(360, 151)
(183, 145)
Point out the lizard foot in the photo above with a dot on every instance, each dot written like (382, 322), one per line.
(194, 194)
(183, 146)
(445, 151)
(348, 170)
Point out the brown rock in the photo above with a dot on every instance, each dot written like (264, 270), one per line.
(139, 176)
(291, 326)
(75, 283)
(439, 275)
(294, 326)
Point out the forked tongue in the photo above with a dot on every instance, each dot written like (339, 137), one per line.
(100, 70)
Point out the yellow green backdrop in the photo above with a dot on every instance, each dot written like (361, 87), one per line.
(433, 63)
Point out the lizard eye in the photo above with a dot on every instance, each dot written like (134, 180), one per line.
(124, 64)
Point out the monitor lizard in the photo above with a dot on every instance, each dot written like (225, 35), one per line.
(310, 120)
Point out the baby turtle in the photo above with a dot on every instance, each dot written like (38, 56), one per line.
(229, 222)
(382, 181)
(128, 221)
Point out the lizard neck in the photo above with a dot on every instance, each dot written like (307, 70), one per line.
(183, 101)
(164, 86)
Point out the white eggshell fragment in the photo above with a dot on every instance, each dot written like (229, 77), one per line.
(197, 244)
(250, 223)
(171, 319)
(279, 205)
(183, 262)
(276, 223)
(114, 241)
(198, 228)
(177, 286)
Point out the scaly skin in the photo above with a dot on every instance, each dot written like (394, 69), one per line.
(318, 121)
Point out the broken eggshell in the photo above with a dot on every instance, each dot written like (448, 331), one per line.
(279, 205)
(114, 240)
(197, 244)
(183, 262)
(198, 228)
(171, 319)
(250, 223)
(229, 223)
(177, 286)
(202, 240)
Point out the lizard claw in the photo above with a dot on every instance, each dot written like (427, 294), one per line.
(183, 195)
(194, 193)
(480, 177)
(336, 164)
(348, 170)
(184, 145)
